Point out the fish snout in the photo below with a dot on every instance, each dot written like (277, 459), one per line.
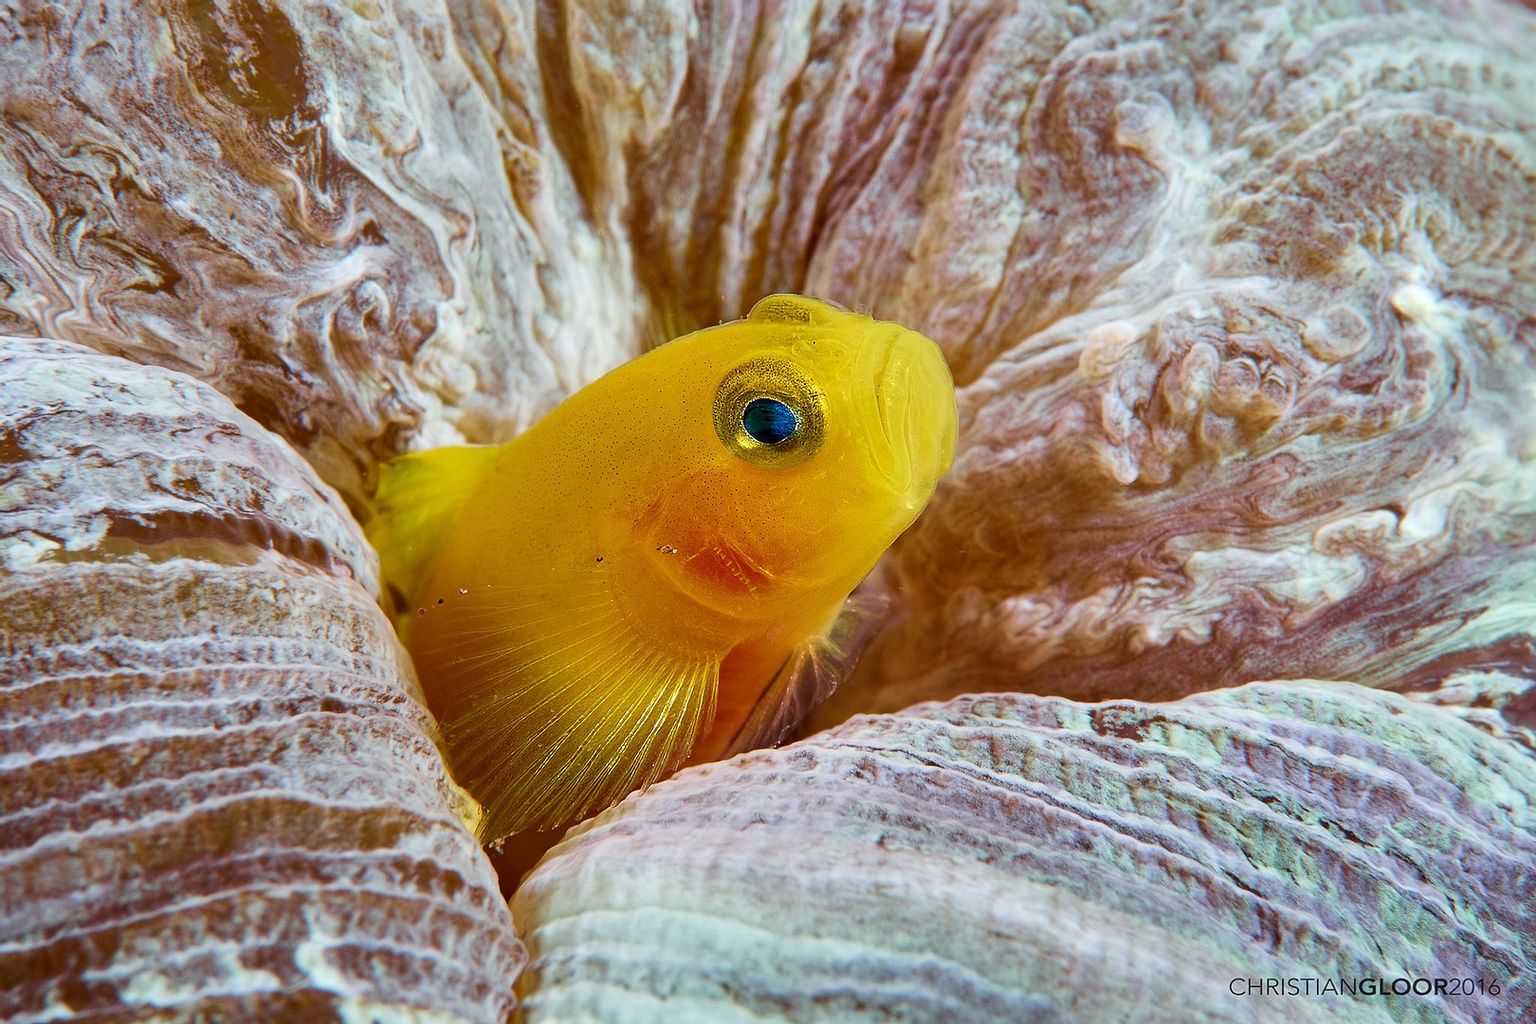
(914, 397)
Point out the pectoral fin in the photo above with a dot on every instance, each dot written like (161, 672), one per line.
(805, 678)
(551, 709)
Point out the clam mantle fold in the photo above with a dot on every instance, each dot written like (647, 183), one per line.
(1037, 861)
(219, 793)
(1240, 297)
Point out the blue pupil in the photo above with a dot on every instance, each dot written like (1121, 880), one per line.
(768, 422)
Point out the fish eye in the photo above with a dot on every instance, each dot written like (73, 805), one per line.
(769, 412)
(769, 421)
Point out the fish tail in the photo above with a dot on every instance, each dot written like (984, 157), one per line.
(416, 504)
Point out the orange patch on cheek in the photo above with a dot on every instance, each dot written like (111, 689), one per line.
(701, 550)
(724, 567)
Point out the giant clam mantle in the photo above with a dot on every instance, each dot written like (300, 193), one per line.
(1018, 858)
(220, 791)
(1242, 301)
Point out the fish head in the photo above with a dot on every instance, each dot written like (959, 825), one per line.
(818, 436)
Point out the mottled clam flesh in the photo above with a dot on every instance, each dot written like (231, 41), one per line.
(1209, 670)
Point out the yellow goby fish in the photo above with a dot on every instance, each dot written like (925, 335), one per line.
(654, 571)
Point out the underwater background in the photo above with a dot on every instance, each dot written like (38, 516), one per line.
(1206, 674)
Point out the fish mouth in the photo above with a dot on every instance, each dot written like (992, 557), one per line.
(914, 404)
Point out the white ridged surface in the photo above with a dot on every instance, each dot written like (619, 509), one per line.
(1030, 859)
(218, 796)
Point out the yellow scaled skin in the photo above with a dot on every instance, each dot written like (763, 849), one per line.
(625, 585)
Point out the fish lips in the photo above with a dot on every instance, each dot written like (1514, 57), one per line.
(914, 406)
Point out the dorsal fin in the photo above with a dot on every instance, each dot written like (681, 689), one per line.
(417, 503)
(552, 708)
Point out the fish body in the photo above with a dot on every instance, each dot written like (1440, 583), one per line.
(655, 570)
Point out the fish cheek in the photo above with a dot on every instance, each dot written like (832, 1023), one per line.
(689, 530)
